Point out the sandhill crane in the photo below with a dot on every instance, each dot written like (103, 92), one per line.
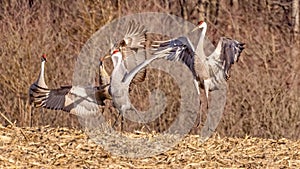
(63, 98)
(122, 76)
(203, 68)
(120, 81)
(211, 72)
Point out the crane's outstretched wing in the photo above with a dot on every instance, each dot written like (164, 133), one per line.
(215, 111)
(54, 99)
(74, 99)
(226, 53)
(179, 49)
(134, 39)
(135, 35)
(132, 73)
(231, 50)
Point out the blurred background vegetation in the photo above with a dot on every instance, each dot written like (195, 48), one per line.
(263, 92)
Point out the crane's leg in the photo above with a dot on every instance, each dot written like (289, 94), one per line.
(206, 88)
(122, 119)
(116, 121)
(122, 122)
(196, 84)
(147, 127)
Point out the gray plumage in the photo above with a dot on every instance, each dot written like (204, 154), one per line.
(209, 72)
(85, 100)
(74, 99)
(120, 81)
(132, 46)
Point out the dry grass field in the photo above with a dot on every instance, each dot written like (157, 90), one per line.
(261, 122)
(47, 147)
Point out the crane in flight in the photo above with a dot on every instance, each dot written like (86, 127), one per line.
(209, 72)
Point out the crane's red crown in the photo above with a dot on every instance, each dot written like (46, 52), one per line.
(44, 58)
(115, 51)
(200, 22)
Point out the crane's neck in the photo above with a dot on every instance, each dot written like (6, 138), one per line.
(119, 70)
(135, 70)
(116, 59)
(200, 47)
(41, 79)
(100, 71)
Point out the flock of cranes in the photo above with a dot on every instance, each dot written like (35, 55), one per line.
(209, 72)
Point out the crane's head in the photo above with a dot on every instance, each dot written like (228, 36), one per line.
(116, 56)
(115, 51)
(201, 24)
(43, 58)
(109, 55)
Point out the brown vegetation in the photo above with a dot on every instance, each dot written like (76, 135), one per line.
(263, 92)
(69, 148)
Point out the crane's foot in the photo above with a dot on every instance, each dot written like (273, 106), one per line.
(227, 75)
(113, 126)
(206, 132)
(148, 128)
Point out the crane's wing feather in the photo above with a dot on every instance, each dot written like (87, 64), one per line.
(135, 36)
(231, 50)
(226, 53)
(54, 99)
(74, 99)
(180, 49)
(132, 62)
(85, 100)
(130, 75)
(134, 39)
(57, 98)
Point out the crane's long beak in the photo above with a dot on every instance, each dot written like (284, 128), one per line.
(101, 60)
(105, 57)
(195, 29)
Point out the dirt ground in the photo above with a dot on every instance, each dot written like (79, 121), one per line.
(46, 147)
